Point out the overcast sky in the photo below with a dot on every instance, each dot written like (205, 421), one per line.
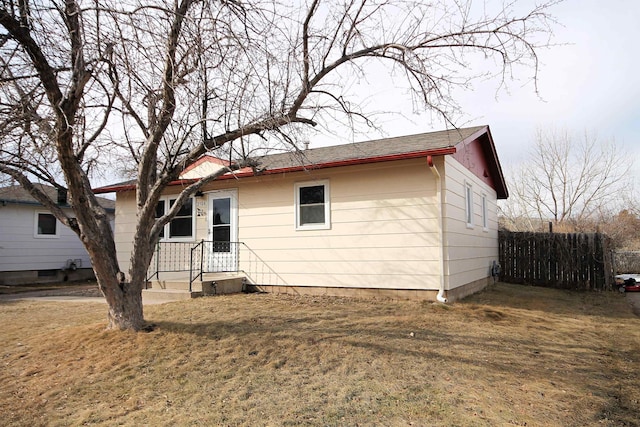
(589, 81)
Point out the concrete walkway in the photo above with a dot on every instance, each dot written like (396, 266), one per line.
(36, 296)
(72, 293)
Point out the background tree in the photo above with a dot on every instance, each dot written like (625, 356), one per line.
(624, 229)
(157, 84)
(575, 181)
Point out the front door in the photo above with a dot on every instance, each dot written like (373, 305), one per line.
(223, 231)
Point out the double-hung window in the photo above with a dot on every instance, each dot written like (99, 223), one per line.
(182, 226)
(312, 201)
(46, 225)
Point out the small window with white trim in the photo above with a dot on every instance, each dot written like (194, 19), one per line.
(468, 192)
(46, 225)
(485, 219)
(182, 226)
(312, 205)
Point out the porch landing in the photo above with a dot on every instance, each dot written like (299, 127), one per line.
(174, 286)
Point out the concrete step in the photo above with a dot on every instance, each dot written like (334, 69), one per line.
(231, 285)
(182, 285)
(167, 295)
(211, 284)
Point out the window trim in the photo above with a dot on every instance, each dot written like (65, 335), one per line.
(468, 204)
(35, 226)
(167, 227)
(326, 225)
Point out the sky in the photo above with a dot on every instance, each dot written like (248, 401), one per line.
(589, 81)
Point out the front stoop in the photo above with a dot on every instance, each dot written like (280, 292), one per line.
(177, 289)
(167, 295)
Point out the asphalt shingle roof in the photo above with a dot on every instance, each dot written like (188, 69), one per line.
(17, 194)
(402, 147)
(370, 149)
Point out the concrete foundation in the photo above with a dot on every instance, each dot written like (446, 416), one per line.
(9, 278)
(399, 294)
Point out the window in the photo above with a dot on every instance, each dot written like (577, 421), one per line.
(485, 220)
(47, 273)
(312, 206)
(469, 204)
(182, 225)
(46, 225)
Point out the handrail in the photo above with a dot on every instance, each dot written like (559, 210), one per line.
(191, 278)
(213, 257)
(154, 260)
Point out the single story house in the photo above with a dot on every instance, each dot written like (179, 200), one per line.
(34, 246)
(406, 217)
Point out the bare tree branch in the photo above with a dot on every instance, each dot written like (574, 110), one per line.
(568, 179)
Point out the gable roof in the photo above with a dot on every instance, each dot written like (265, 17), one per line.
(17, 195)
(386, 149)
(374, 151)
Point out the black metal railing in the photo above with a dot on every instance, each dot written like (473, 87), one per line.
(195, 258)
(208, 256)
(170, 257)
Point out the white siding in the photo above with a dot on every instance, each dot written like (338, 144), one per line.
(470, 251)
(383, 233)
(383, 230)
(21, 251)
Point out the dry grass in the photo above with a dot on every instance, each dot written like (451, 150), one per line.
(511, 355)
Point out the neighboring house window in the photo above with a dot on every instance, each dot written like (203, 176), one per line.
(46, 225)
(182, 225)
(469, 204)
(312, 205)
(485, 220)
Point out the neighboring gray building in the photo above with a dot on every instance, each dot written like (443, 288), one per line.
(34, 246)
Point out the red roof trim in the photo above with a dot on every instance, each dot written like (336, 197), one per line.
(129, 187)
(349, 162)
(337, 163)
(476, 135)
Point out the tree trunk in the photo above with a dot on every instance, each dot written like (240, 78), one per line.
(125, 307)
(124, 298)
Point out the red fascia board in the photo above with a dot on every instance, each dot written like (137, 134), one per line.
(114, 188)
(334, 164)
(129, 187)
(350, 162)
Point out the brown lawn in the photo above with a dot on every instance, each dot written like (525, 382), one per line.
(511, 355)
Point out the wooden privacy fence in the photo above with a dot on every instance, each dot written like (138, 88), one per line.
(567, 261)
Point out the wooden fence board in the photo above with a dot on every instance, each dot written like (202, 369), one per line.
(566, 261)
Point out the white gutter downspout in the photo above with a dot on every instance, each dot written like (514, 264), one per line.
(441, 292)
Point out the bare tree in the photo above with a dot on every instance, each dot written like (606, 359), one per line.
(574, 181)
(161, 83)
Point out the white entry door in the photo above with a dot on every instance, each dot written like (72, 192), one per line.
(222, 221)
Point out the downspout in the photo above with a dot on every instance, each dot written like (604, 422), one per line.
(441, 292)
